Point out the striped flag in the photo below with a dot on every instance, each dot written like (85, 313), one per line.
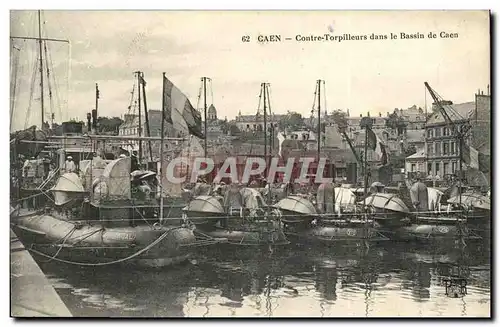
(470, 156)
(377, 145)
(179, 112)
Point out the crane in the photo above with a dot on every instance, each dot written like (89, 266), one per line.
(460, 133)
(348, 140)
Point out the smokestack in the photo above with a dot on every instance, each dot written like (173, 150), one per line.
(89, 121)
(94, 119)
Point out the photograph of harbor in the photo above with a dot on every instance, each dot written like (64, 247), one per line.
(324, 164)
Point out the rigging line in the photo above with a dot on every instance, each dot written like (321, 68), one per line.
(314, 105)
(68, 77)
(199, 97)
(56, 89)
(269, 100)
(324, 96)
(258, 107)
(131, 98)
(15, 82)
(32, 87)
(48, 80)
(212, 91)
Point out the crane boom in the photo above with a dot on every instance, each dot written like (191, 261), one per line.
(346, 137)
(449, 121)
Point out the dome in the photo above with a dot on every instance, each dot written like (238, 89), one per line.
(212, 109)
(212, 112)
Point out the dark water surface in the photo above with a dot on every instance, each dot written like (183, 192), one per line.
(390, 280)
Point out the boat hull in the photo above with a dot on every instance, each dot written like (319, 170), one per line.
(434, 232)
(291, 217)
(331, 234)
(85, 244)
(243, 237)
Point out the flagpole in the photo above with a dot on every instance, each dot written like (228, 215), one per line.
(162, 136)
(96, 97)
(366, 123)
(140, 120)
(146, 116)
(365, 168)
(204, 79)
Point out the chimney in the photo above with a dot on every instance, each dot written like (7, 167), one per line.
(488, 89)
(94, 119)
(89, 121)
(360, 115)
(380, 114)
(388, 114)
(368, 114)
(481, 92)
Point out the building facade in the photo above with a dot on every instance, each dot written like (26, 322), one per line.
(441, 146)
(481, 123)
(250, 123)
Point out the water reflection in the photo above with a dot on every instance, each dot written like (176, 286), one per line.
(296, 281)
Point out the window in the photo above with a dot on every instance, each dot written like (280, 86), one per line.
(453, 167)
(445, 149)
(437, 168)
(438, 131)
(413, 167)
(445, 168)
(429, 149)
(437, 148)
(452, 148)
(446, 131)
(429, 168)
(430, 133)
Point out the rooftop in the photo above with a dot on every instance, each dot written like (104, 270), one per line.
(457, 112)
(420, 154)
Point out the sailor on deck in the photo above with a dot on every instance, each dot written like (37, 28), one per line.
(69, 165)
(134, 164)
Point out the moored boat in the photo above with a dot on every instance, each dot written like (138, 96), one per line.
(116, 222)
(238, 215)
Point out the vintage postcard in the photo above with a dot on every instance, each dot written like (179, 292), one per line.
(250, 163)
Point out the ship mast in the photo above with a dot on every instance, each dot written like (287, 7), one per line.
(319, 119)
(40, 57)
(139, 129)
(146, 116)
(264, 87)
(204, 80)
(162, 136)
(41, 65)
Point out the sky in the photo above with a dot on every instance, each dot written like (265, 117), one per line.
(373, 76)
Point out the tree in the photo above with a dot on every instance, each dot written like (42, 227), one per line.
(394, 121)
(292, 120)
(340, 119)
(109, 124)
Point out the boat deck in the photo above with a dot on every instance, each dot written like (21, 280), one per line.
(31, 295)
